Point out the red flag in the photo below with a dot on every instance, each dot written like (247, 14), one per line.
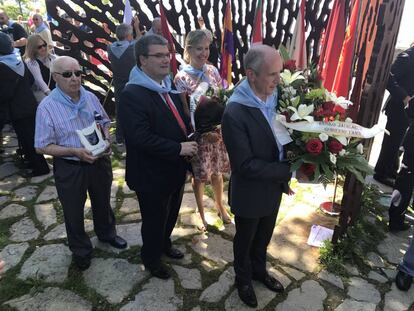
(332, 43)
(343, 75)
(257, 34)
(297, 48)
(227, 47)
(166, 33)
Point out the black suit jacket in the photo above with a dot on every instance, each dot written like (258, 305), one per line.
(152, 138)
(258, 178)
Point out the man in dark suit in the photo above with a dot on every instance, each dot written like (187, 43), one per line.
(155, 129)
(401, 88)
(259, 174)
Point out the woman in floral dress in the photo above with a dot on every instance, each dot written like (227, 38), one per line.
(212, 160)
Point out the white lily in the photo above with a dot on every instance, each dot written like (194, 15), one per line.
(360, 149)
(348, 120)
(342, 139)
(302, 113)
(288, 78)
(332, 157)
(342, 153)
(323, 137)
(341, 101)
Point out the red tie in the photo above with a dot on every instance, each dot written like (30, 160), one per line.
(175, 113)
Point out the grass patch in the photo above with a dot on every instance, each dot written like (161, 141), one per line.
(361, 238)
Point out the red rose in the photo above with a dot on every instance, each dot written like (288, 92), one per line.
(335, 146)
(339, 109)
(328, 106)
(308, 169)
(314, 146)
(290, 65)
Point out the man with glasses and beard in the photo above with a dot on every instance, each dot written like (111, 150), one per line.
(69, 107)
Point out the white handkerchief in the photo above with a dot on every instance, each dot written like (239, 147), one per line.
(281, 133)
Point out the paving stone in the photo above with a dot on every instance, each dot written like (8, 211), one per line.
(309, 297)
(393, 247)
(51, 299)
(191, 219)
(186, 260)
(264, 296)
(131, 233)
(216, 291)
(208, 266)
(10, 142)
(296, 274)
(126, 190)
(353, 305)
(26, 193)
(189, 203)
(331, 278)
(118, 173)
(280, 277)
(46, 214)
(132, 217)
(375, 261)
(129, 205)
(23, 230)
(351, 270)
(49, 263)
(49, 193)
(189, 278)
(41, 178)
(188, 187)
(7, 169)
(214, 248)
(229, 229)
(390, 273)
(12, 254)
(397, 300)
(361, 290)
(4, 199)
(377, 277)
(196, 308)
(156, 295)
(112, 278)
(11, 182)
(182, 232)
(12, 210)
(59, 232)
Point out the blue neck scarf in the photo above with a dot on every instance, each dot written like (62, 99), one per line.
(10, 23)
(138, 77)
(119, 47)
(200, 74)
(78, 109)
(41, 28)
(14, 62)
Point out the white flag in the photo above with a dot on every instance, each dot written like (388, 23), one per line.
(127, 13)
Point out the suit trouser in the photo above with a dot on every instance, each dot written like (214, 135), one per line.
(249, 246)
(407, 263)
(404, 184)
(388, 160)
(24, 129)
(159, 215)
(73, 181)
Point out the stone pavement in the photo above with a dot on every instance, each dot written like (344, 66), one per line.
(39, 274)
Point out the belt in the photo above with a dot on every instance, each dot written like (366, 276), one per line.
(74, 162)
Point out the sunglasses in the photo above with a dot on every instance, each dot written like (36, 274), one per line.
(68, 74)
(42, 46)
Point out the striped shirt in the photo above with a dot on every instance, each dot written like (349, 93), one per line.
(55, 126)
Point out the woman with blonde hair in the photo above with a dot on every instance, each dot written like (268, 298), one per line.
(38, 59)
(211, 160)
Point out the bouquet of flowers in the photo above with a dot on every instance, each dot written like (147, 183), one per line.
(325, 141)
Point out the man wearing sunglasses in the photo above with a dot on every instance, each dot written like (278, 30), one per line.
(69, 107)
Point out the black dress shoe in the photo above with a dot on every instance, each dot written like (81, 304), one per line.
(160, 272)
(116, 242)
(388, 181)
(247, 295)
(271, 283)
(82, 262)
(403, 281)
(174, 253)
(398, 228)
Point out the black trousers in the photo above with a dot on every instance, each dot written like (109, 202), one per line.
(405, 185)
(25, 129)
(250, 245)
(397, 124)
(73, 181)
(159, 215)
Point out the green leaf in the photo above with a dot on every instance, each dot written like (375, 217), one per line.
(296, 165)
(284, 52)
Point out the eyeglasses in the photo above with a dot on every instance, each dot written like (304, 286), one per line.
(159, 55)
(68, 74)
(42, 46)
